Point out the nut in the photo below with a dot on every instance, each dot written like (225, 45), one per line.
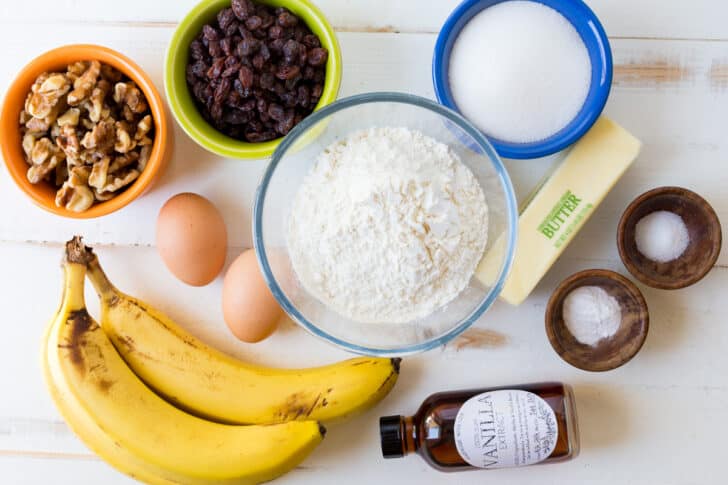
(79, 176)
(99, 173)
(76, 199)
(69, 118)
(120, 179)
(42, 149)
(83, 86)
(88, 131)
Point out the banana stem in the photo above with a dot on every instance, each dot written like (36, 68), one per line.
(74, 274)
(104, 287)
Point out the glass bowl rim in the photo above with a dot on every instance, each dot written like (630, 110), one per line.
(384, 97)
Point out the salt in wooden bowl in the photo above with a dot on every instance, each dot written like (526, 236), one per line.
(608, 353)
(702, 251)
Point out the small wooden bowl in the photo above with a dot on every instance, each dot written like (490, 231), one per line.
(699, 257)
(608, 353)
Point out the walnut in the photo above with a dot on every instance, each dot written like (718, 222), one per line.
(79, 176)
(101, 137)
(70, 117)
(123, 161)
(87, 131)
(110, 74)
(143, 127)
(38, 125)
(144, 154)
(99, 173)
(83, 86)
(95, 105)
(120, 179)
(124, 142)
(130, 95)
(68, 140)
(24, 117)
(61, 174)
(42, 149)
(76, 199)
(28, 142)
(36, 173)
(103, 196)
(46, 95)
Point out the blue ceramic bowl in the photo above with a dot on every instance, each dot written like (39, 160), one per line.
(592, 34)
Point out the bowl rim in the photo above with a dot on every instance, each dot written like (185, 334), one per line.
(388, 97)
(560, 293)
(160, 149)
(218, 143)
(635, 270)
(587, 115)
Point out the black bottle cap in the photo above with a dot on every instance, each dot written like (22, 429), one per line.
(390, 433)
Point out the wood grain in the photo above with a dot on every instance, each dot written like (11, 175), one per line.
(700, 19)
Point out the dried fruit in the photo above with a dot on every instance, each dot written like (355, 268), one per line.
(252, 59)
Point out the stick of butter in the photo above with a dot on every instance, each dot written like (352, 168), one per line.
(561, 207)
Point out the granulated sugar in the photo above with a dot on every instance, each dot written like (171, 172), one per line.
(520, 71)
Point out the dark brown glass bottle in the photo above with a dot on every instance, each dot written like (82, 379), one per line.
(488, 428)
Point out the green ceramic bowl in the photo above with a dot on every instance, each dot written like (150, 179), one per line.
(181, 101)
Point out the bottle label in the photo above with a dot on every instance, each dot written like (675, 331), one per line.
(507, 428)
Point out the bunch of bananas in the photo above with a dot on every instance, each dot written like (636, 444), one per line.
(161, 406)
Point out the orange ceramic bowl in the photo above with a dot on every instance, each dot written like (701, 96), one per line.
(43, 194)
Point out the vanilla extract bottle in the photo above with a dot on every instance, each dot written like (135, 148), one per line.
(488, 428)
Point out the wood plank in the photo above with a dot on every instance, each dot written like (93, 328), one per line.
(700, 19)
(623, 413)
(671, 94)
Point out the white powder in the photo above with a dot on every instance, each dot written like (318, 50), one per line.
(591, 314)
(520, 71)
(388, 226)
(661, 236)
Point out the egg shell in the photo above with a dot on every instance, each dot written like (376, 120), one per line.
(192, 238)
(249, 308)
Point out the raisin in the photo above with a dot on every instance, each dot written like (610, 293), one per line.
(225, 17)
(288, 72)
(222, 91)
(267, 80)
(214, 48)
(311, 40)
(276, 111)
(253, 23)
(209, 32)
(275, 32)
(197, 50)
(256, 71)
(290, 50)
(287, 19)
(226, 45)
(246, 77)
(258, 62)
(243, 8)
(216, 69)
(317, 56)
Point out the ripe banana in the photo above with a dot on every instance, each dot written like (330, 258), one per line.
(122, 420)
(210, 384)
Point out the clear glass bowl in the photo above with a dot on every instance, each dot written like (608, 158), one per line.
(294, 158)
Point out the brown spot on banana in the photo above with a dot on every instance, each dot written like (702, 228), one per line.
(81, 323)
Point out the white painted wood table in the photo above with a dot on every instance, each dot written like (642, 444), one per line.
(661, 419)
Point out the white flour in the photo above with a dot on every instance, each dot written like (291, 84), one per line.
(388, 226)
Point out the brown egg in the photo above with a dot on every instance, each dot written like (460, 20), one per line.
(250, 309)
(192, 238)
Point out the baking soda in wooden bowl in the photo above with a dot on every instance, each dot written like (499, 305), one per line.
(520, 71)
